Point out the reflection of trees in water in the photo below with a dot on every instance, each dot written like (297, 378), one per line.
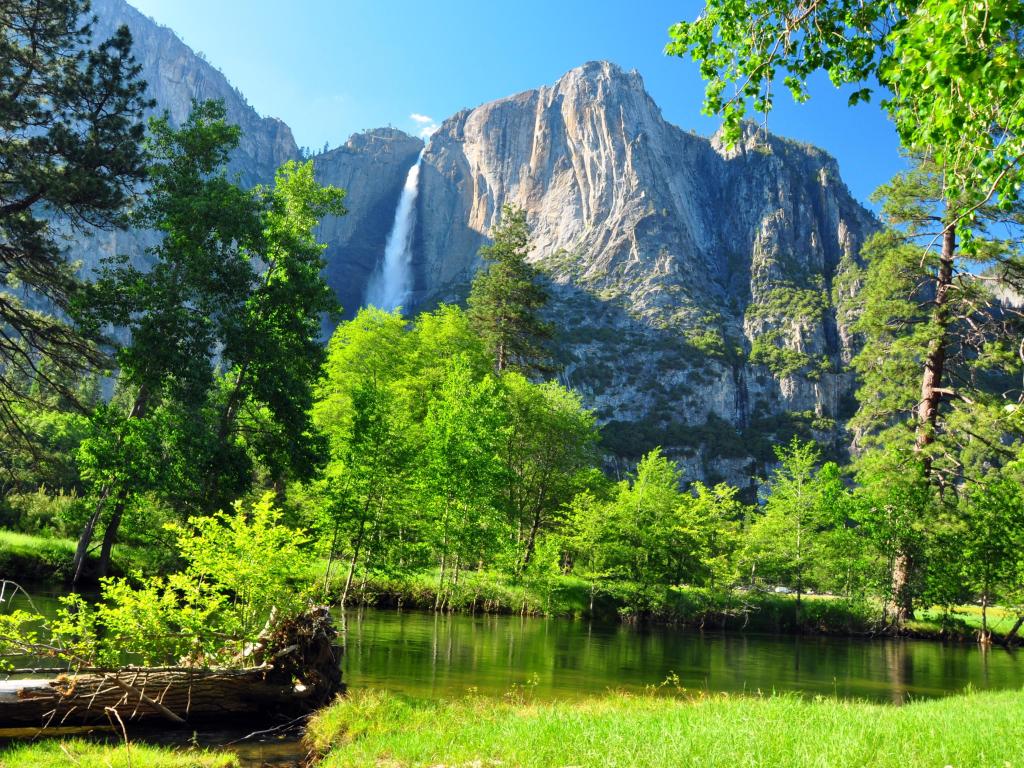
(897, 665)
(444, 655)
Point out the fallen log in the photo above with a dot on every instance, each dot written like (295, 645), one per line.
(298, 669)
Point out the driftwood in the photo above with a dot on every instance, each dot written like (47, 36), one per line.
(299, 669)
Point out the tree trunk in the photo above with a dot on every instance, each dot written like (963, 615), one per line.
(985, 638)
(500, 363)
(935, 361)
(304, 651)
(902, 608)
(227, 420)
(531, 541)
(1012, 634)
(455, 581)
(356, 546)
(330, 560)
(84, 540)
(110, 533)
(440, 581)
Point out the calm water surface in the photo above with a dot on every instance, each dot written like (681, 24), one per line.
(451, 655)
(446, 656)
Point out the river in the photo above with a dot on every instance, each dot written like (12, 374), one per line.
(451, 655)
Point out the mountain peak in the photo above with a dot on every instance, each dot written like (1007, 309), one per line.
(602, 70)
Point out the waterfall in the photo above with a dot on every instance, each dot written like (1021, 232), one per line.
(391, 282)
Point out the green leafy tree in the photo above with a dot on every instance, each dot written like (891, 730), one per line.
(784, 539)
(235, 276)
(506, 298)
(951, 73)
(632, 540)
(939, 351)
(993, 518)
(365, 484)
(57, 426)
(707, 535)
(549, 456)
(243, 576)
(897, 505)
(70, 132)
(459, 472)
(175, 309)
(273, 340)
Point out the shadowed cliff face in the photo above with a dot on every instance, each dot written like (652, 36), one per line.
(176, 76)
(700, 293)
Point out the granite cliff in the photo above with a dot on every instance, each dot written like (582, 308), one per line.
(698, 291)
(697, 288)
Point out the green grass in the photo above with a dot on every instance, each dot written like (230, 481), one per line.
(34, 559)
(31, 558)
(967, 617)
(26, 543)
(61, 754)
(375, 728)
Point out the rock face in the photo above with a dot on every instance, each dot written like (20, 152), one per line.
(698, 291)
(176, 76)
(693, 283)
(371, 166)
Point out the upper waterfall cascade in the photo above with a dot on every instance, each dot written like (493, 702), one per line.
(391, 283)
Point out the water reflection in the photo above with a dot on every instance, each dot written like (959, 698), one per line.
(426, 654)
(445, 655)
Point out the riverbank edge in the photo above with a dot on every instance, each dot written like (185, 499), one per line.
(375, 728)
(39, 562)
(653, 729)
(60, 753)
(747, 611)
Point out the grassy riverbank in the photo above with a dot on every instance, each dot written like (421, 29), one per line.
(39, 560)
(733, 611)
(32, 559)
(61, 754)
(374, 728)
(378, 728)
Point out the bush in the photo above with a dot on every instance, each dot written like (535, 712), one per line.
(43, 512)
(242, 575)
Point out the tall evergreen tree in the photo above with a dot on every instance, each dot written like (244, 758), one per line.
(506, 298)
(953, 73)
(941, 356)
(70, 132)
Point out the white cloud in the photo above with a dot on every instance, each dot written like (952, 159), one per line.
(427, 124)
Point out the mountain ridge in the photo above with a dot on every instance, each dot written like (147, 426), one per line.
(694, 285)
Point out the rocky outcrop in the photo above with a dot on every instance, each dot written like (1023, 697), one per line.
(693, 282)
(176, 76)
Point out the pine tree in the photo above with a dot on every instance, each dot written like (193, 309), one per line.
(70, 132)
(507, 297)
(941, 353)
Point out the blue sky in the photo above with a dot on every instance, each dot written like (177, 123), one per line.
(332, 67)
